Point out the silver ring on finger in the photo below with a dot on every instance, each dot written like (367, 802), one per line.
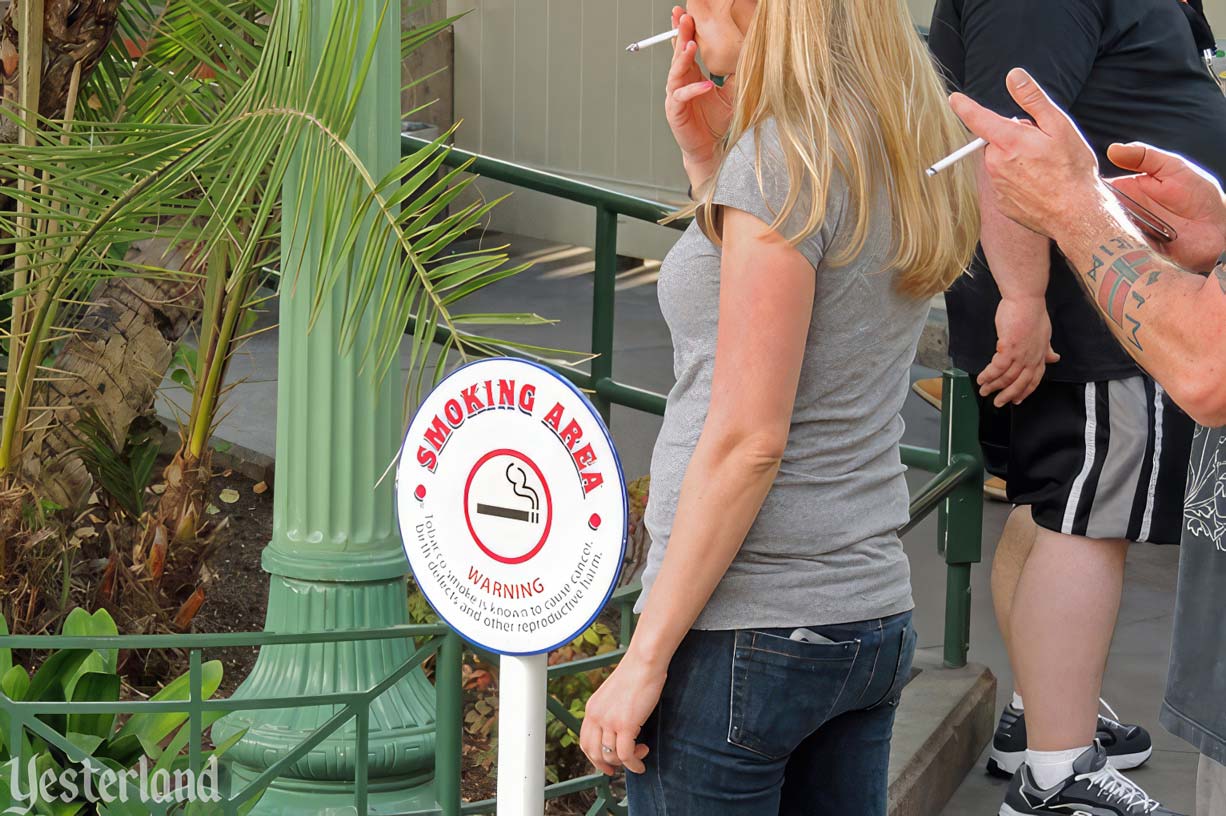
(606, 749)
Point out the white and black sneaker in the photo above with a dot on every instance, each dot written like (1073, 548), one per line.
(1127, 746)
(1094, 789)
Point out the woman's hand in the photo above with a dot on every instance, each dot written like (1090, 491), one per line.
(698, 111)
(616, 713)
(1179, 193)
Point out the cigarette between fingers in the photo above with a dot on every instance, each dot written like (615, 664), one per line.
(957, 156)
(960, 154)
(635, 47)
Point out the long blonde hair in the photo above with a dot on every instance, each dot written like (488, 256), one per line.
(852, 88)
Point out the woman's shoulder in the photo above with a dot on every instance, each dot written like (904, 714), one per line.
(759, 141)
(758, 162)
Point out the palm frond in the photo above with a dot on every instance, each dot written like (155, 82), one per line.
(221, 125)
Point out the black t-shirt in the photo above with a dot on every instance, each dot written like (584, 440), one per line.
(1126, 70)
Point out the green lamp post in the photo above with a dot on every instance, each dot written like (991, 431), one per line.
(335, 560)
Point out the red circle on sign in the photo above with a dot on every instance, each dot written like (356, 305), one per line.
(548, 506)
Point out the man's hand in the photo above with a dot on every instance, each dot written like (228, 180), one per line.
(1042, 175)
(1023, 350)
(1180, 193)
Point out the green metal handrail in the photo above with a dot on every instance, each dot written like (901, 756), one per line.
(440, 640)
(353, 705)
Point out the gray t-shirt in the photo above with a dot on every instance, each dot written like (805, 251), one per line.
(1195, 704)
(823, 549)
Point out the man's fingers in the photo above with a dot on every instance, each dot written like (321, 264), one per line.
(979, 120)
(1138, 157)
(1132, 156)
(1053, 356)
(1003, 381)
(997, 366)
(1035, 101)
(1019, 390)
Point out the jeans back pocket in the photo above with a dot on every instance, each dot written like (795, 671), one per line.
(902, 666)
(783, 690)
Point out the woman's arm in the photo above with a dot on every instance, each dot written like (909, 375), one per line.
(766, 303)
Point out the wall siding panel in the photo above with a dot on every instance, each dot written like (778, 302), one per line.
(547, 83)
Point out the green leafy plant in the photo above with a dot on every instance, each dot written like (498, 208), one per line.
(122, 468)
(86, 675)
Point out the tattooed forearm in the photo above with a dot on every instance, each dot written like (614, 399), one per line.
(1170, 320)
(1114, 278)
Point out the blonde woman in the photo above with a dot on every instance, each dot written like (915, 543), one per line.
(776, 635)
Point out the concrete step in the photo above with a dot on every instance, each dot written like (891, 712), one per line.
(944, 721)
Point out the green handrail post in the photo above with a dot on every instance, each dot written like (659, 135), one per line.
(602, 304)
(449, 734)
(960, 518)
(195, 697)
(626, 630)
(16, 734)
(362, 760)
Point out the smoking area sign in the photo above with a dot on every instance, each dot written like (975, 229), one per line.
(513, 511)
(512, 506)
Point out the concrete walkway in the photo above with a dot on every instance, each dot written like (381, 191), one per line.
(560, 286)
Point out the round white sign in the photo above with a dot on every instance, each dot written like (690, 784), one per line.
(512, 506)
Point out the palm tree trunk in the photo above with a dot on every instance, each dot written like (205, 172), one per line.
(114, 361)
(112, 364)
(73, 31)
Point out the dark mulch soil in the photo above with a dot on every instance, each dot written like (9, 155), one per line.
(239, 595)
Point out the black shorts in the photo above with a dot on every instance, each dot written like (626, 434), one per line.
(1102, 459)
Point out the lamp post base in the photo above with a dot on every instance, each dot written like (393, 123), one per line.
(296, 797)
(400, 752)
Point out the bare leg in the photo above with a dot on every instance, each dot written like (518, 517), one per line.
(1066, 603)
(1016, 542)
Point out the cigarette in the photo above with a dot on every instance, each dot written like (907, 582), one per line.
(635, 47)
(957, 156)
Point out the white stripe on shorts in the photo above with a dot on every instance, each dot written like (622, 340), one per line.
(1153, 470)
(1074, 496)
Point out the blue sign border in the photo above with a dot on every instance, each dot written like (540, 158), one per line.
(621, 481)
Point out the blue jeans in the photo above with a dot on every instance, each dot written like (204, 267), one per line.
(753, 723)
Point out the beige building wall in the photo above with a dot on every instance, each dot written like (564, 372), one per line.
(1216, 11)
(548, 83)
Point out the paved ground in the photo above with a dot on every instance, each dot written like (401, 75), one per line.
(560, 286)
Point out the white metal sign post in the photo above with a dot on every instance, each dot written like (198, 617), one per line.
(513, 510)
